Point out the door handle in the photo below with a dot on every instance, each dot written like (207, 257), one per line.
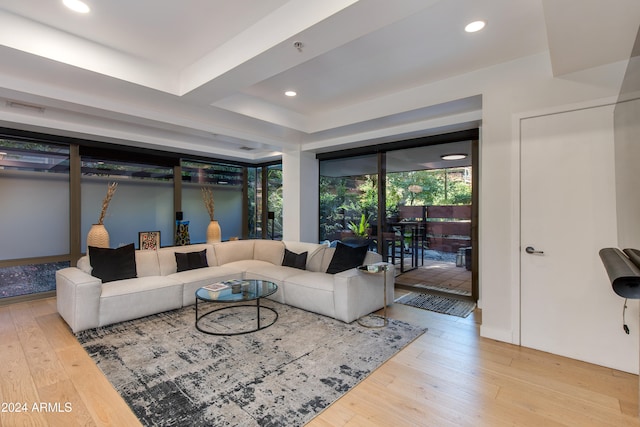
(532, 250)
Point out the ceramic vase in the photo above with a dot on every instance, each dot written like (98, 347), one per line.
(98, 236)
(213, 232)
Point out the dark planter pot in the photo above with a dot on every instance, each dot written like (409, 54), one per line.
(358, 242)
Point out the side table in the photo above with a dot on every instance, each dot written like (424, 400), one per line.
(377, 268)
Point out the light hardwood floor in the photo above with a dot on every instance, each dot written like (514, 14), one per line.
(447, 377)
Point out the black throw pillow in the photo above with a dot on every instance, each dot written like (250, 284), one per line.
(347, 257)
(191, 260)
(113, 264)
(292, 259)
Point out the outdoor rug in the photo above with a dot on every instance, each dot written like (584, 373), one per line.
(439, 304)
(172, 375)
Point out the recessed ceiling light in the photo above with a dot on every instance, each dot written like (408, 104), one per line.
(453, 156)
(76, 6)
(291, 93)
(475, 26)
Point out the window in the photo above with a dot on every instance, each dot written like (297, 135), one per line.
(226, 182)
(348, 190)
(34, 189)
(254, 195)
(39, 201)
(274, 201)
(143, 200)
(264, 192)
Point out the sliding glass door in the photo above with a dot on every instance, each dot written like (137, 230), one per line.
(413, 204)
(349, 198)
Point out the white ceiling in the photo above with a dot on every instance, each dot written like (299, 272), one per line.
(207, 76)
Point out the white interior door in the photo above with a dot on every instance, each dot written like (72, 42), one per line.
(568, 213)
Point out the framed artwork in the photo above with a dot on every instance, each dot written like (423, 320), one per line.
(149, 240)
(182, 233)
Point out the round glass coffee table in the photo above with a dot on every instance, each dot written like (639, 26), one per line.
(234, 291)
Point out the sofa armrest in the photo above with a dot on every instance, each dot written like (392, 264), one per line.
(358, 293)
(78, 298)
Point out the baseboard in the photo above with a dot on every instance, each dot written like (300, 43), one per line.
(504, 335)
(24, 298)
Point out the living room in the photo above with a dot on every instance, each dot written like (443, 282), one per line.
(225, 104)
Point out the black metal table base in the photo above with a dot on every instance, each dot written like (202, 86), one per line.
(259, 326)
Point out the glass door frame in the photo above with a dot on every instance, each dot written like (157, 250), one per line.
(472, 135)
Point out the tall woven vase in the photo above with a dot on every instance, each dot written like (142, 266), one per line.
(213, 232)
(98, 236)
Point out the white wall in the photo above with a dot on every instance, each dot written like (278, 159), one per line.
(533, 89)
(627, 155)
(300, 201)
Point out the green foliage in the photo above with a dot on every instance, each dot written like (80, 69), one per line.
(459, 193)
(274, 198)
(398, 188)
(361, 229)
(439, 187)
(346, 200)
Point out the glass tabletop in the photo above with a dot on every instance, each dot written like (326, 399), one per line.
(236, 290)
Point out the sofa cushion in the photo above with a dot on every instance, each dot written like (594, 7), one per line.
(271, 251)
(84, 264)
(191, 260)
(299, 247)
(167, 258)
(147, 263)
(238, 250)
(327, 256)
(273, 273)
(315, 259)
(315, 253)
(132, 298)
(192, 280)
(311, 291)
(249, 265)
(292, 259)
(346, 257)
(113, 264)
(137, 285)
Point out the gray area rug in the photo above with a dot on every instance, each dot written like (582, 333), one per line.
(439, 304)
(172, 375)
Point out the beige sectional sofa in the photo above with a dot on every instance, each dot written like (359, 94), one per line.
(85, 302)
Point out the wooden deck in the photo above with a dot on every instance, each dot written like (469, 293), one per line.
(442, 275)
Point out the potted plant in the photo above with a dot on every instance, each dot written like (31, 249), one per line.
(360, 232)
(361, 229)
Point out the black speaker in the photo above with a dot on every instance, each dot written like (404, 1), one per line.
(179, 216)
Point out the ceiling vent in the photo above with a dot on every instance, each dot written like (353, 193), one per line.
(23, 106)
(245, 148)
